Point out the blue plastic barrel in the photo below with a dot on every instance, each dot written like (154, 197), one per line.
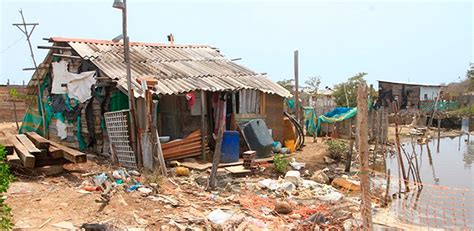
(230, 149)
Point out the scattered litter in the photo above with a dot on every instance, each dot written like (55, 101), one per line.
(144, 190)
(320, 177)
(317, 218)
(134, 173)
(133, 187)
(268, 183)
(182, 171)
(65, 225)
(293, 177)
(100, 179)
(44, 223)
(219, 217)
(297, 165)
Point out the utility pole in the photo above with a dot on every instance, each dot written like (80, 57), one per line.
(297, 99)
(40, 94)
(131, 98)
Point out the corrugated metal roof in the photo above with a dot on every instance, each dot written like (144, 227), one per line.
(178, 68)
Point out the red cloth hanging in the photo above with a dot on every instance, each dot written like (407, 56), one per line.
(190, 98)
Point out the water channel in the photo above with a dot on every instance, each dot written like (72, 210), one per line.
(446, 198)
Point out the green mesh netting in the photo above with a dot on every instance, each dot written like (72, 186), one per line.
(118, 101)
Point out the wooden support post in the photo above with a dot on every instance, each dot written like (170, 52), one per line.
(297, 99)
(362, 114)
(385, 203)
(351, 148)
(217, 152)
(156, 138)
(203, 124)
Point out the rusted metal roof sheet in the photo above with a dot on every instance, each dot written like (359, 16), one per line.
(178, 68)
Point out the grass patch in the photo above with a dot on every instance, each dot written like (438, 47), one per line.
(5, 179)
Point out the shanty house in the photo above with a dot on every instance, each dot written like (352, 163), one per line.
(407, 95)
(81, 79)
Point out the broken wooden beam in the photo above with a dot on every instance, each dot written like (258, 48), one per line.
(27, 159)
(39, 141)
(55, 152)
(28, 144)
(67, 56)
(71, 154)
(14, 159)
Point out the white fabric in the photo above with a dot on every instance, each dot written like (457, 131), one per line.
(79, 85)
(60, 76)
(62, 129)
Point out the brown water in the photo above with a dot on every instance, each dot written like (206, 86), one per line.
(446, 199)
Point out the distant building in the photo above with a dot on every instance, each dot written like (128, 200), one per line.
(407, 95)
(323, 101)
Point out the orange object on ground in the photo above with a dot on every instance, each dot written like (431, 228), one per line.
(290, 144)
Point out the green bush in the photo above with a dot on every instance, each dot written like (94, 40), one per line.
(280, 163)
(336, 149)
(5, 179)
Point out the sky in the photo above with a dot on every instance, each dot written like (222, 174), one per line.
(407, 41)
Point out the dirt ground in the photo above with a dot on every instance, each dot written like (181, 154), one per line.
(43, 203)
(7, 129)
(40, 203)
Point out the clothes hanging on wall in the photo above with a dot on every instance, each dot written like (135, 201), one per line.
(79, 86)
(60, 77)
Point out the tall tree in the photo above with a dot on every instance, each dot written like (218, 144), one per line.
(345, 94)
(287, 84)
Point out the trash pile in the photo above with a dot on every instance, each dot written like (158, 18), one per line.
(119, 179)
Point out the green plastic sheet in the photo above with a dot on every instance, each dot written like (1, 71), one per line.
(310, 120)
(336, 115)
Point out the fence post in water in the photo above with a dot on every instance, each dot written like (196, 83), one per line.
(362, 114)
(439, 133)
(399, 151)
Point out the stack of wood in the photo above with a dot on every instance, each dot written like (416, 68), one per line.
(183, 148)
(31, 150)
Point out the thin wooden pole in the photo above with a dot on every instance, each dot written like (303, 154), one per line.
(439, 133)
(399, 151)
(351, 147)
(40, 94)
(362, 114)
(203, 124)
(297, 99)
(387, 188)
(217, 152)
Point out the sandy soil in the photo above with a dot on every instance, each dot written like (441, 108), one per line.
(7, 129)
(313, 154)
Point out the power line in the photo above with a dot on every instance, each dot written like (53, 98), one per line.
(11, 45)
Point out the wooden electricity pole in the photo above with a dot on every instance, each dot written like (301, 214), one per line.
(362, 114)
(40, 94)
(297, 99)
